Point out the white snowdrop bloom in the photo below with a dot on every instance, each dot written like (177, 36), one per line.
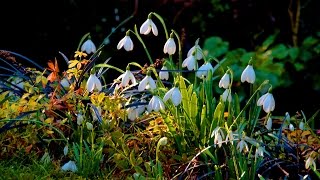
(127, 77)
(89, 126)
(310, 161)
(65, 83)
(225, 81)
(135, 112)
(230, 137)
(301, 125)
(65, 150)
(242, 146)
(148, 26)
(169, 46)
(291, 127)
(155, 104)
(202, 72)
(174, 94)
(269, 124)
(226, 95)
(248, 75)
(164, 74)
(259, 151)
(267, 102)
(126, 43)
(93, 83)
(147, 83)
(196, 50)
(190, 63)
(70, 166)
(132, 113)
(218, 135)
(163, 141)
(88, 47)
(79, 119)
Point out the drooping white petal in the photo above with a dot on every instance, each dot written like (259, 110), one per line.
(151, 83)
(154, 28)
(168, 95)
(169, 46)
(176, 96)
(145, 27)
(69, 166)
(126, 78)
(155, 104)
(202, 72)
(126, 43)
(196, 50)
(190, 63)
(269, 124)
(248, 75)
(267, 102)
(164, 74)
(93, 83)
(143, 84)
(261, 100)
(88, 47)
(226, 95)
(225, 81)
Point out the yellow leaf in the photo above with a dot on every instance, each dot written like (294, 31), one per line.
(50, 132)
(73, 63)
(49, 120)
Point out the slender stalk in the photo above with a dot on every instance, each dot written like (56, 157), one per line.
(135, 32)
(162, 22)
(180, 50)
(249, 101)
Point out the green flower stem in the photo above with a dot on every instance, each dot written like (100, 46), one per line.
(80, 148)
(249, 101)
(162, 22)
(180, 50)
(141, 41)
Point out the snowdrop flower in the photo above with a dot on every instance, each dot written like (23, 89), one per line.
(227, 94)
(301, 125)
(164, 74)
(65, 83)
(291, 127)
(269, 124)
(170, 46)
(135, 112)
(79, 119)
(248, 74)
(126, 43)
(146, 83)
(93, 83)
(147, 26)
(230, 137)
(69, 166)
(155, 104)
(196, 50)
(89, 126)
(218, 136)
(190, 63)
(126, 78)
(174, 94)
(163, 141)
(202, 72)
(65, 150)
(267, 102)
(242, 146)
(259, 151)
(310, 161)
(225, 81)
(88, 47)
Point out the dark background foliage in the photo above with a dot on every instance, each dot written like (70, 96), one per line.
(40, 29)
